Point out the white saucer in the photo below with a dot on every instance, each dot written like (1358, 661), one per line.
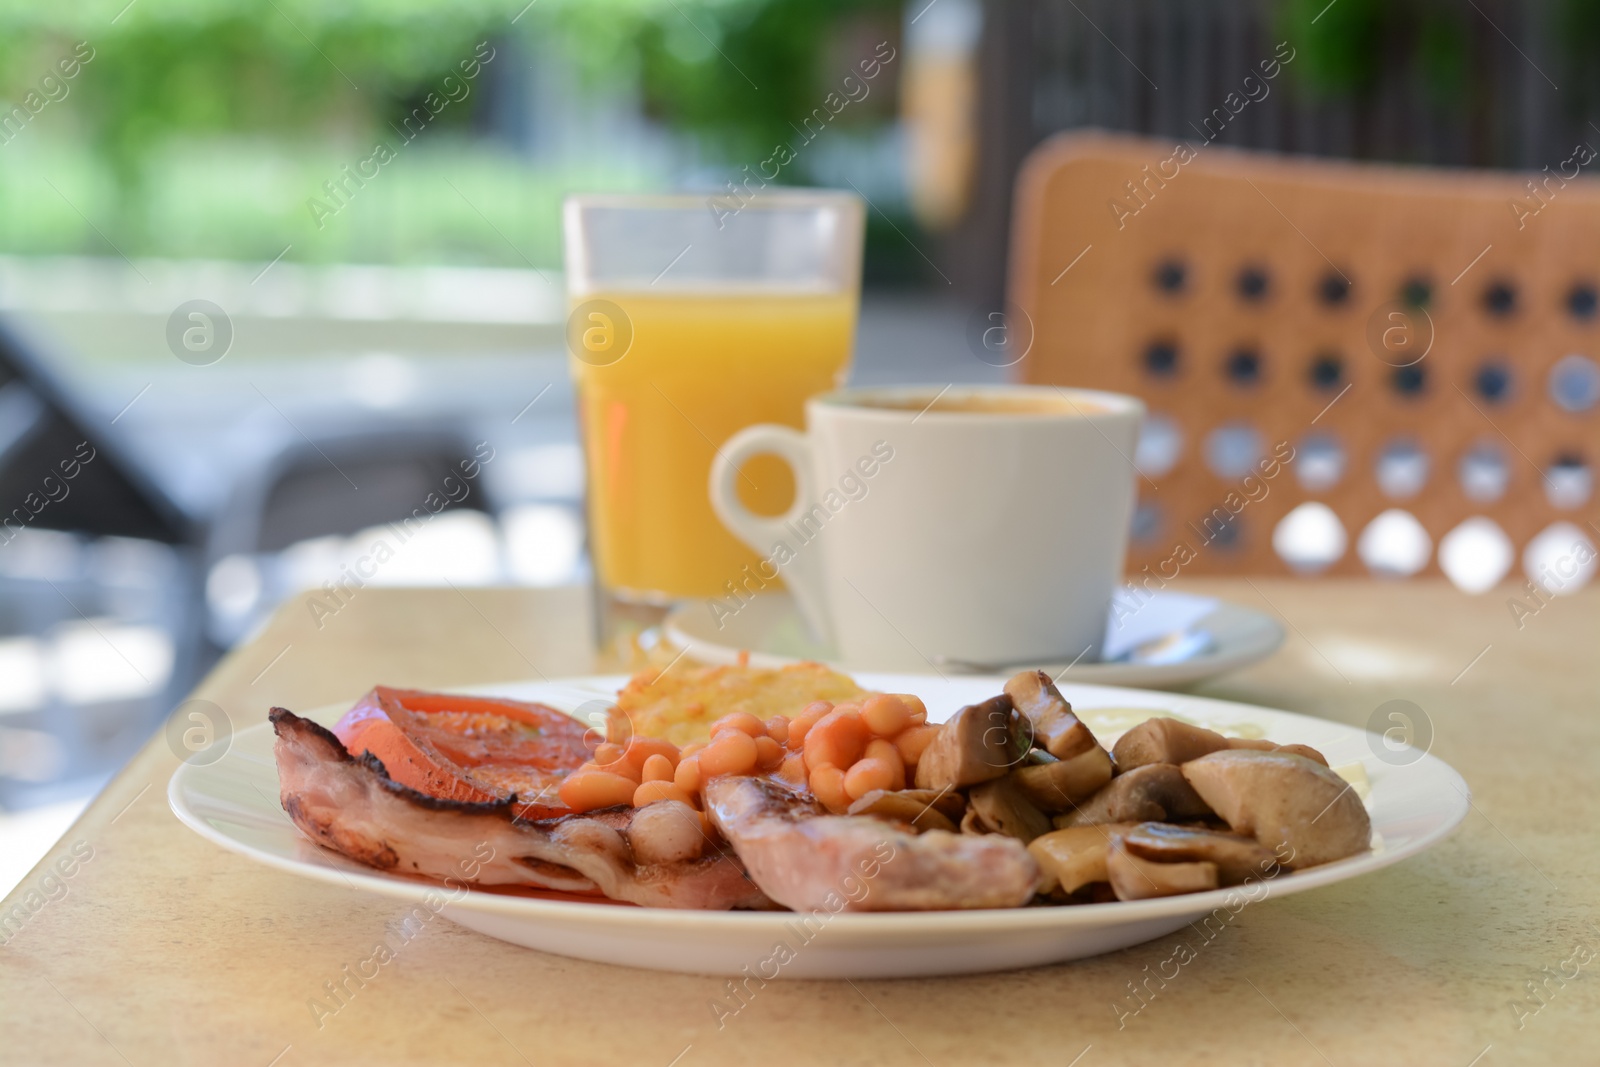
(769, 628)
(1415, 801)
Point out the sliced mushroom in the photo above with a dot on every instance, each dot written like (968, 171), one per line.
(1002, 809)
(1139, 879)
(1292, 805)
(1055, 728)
(1165, 740)
(1236, 858)
(1303, 750)
(1075, 857)
(1156, 792)
(1059, 784)
(978, 743)
(923, 809)
(1257, 744)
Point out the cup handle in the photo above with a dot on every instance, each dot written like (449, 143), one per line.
(802, 573)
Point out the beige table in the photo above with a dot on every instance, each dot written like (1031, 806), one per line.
(162, 949)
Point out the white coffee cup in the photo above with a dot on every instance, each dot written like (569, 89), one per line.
(977, 525)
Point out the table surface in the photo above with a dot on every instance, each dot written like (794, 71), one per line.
(160, 948)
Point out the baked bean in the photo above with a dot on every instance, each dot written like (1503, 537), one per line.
(586, 790)
(838, 738)
(693, 748)
(687, 776)
(657, 768)
(885, 714)
(731, 753)
(650, 792)
(803, 722)
(793, 769)
(778, 729)
(742, 721)
(624, 767)
(884, 751)
(827, 785)
(607, 753)
(768, 753)
(913, 740)
(868, 774)
(914, 704)
(642, 748)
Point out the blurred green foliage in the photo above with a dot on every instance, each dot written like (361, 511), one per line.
(166, 68)
(1346, 45)
(1337, 43)
(203, 126)
(767, 69)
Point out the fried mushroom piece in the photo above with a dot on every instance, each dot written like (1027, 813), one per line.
(1057, 785)
(977, 744)
(667, 831)
(1157, 792)
(921, 809)
(1236, 858)
(1167, 740)
(1300, 750)
(1133, 878)
(1055, 728)
(1261, 745)
(1164, 740)
(1290, 804)
(1075, 857)
(1001, 808)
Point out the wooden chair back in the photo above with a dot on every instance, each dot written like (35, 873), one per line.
(1423, 340)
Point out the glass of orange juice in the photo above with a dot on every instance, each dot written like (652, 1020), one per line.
(690, 318)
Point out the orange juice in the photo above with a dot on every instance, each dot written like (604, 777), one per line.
(700, 367)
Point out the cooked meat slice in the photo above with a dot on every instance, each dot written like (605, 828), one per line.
(1236, 857)
(1284, 801)
(811, 861)
(1138, 879)
(978, 743)
(1156, 792)
(1055, 728)
(353, 807)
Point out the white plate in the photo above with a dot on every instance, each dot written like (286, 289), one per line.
(770, 629)
(234, 802)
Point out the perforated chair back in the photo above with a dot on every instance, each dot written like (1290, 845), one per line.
(1420, 342)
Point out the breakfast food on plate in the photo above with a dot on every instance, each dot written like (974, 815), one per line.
(680, 703)
(800, 856)
(466, 748)
(791, 798)
(653, 855)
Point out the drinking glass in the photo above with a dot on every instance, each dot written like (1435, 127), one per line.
(690, 318)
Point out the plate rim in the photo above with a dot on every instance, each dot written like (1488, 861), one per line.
(860, 924)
